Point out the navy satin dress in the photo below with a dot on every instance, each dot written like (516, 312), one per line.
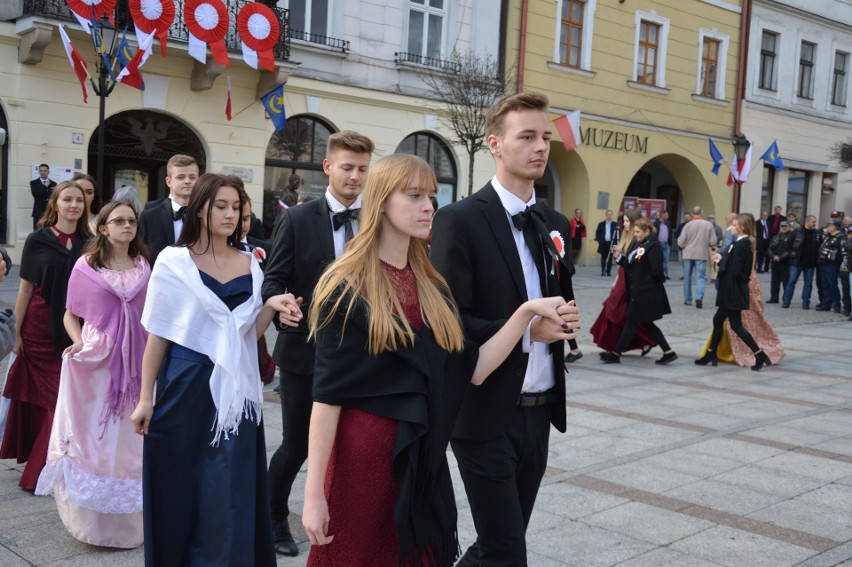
(204, 506)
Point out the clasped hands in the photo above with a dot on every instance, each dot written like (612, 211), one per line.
(558, 321)
(288, 308)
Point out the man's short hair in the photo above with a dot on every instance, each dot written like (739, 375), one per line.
(697, 210)
(179, 160)
(349, 140)
(43, 165)
(711, 217)
(496, 115)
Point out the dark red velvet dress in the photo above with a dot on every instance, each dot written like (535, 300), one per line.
(608, 326)
(359, 484)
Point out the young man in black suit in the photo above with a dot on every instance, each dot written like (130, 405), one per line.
(162, 220)
(603, 236)
(496, 251)
(40, 187)
(308, 238)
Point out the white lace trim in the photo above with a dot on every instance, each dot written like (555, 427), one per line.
(102, 494)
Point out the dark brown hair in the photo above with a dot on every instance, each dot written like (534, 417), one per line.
(99, 251)
(522, 101)
(51, 213)
(96, 202)
(203, 194)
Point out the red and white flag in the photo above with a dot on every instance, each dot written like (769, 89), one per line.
(228, 102)
(77, 62)
(568, 127)
(740, 169)
(130, 75)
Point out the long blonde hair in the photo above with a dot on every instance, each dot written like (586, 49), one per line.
(358, 274)
(632, 215)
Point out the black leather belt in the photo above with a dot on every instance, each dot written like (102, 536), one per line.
(537, 399)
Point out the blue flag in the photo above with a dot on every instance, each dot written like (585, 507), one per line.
(716, 156)
(273, 101)
(123, 53)
(773, 157)
(98, 39)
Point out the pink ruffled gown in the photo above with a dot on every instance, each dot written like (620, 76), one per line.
(94, 470)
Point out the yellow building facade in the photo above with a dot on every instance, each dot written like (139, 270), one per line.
(653, 83)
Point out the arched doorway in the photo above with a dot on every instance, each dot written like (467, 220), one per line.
(435, 151)
(294, 160)
(138, 143)
(4, 176)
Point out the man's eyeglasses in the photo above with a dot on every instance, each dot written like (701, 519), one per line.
(120, 221)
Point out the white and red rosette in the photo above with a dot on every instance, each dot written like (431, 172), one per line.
(639, 253)
(207, 22)
(259, 254)
(87, 10)
(558, 242)
(153, 16)
(259, 30)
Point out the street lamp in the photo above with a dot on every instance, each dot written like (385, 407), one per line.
(741, 146)
(104, 37)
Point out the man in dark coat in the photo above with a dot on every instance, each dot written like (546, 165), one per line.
(763, 238)
(780, 254)
(603, 236)
(306, 239)
(495, 250)
(41, 187)
(804, 245)
(162, 220)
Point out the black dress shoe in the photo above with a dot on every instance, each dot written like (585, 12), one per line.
(785, 305)
(573, 357)
(772, 301)
(820, 308)
(667, 357)
(761, 360)
(611, 358)
(806, 307)
(646, 349)
(699, 303)
(708, 358)
(284, 542)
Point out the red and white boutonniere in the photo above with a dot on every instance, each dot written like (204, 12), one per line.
(259, 254)
(639, 254)
(558, 242)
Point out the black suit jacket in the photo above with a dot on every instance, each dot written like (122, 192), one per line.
(40, 195)
(157, 226)
(646, 294)
(763, 242)
(473, 248)
(733, 275)
(302, 247)
(600, 236)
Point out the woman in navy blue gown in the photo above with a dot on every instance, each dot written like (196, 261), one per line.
(205, 494)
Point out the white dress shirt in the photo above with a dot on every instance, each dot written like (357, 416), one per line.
(336, 206)
(539, 376)
(177, 223)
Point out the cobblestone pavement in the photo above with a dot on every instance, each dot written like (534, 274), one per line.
(675, 465)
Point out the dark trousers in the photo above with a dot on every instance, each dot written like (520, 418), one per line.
(606, 261)
(763, 258)
(778, 281)
(501, 478)
(735, 321)
(830, 292)
(844, 289)
(650, 328)
(296, 401)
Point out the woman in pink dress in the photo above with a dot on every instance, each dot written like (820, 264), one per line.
(94, 460)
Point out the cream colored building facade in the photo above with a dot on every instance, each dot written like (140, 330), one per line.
(653, 83)
(351, 65)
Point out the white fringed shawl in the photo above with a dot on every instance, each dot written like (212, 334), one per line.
(181, 309)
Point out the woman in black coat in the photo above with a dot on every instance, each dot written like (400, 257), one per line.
(646, 295)
(735, 265)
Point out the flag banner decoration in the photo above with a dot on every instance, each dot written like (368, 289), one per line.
(228, 102)
(740, 169)
(207, 22)
(568, 126)
(123, 54)
(76, 61)
(716, 156)
(772, 156)
(130, 75)
(150, 15)
(274, 103)
(98, 39)
(88, 10)
(258, 28)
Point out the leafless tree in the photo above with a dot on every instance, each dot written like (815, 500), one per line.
(471, 84)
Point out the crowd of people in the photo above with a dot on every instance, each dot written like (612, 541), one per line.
(135, 387)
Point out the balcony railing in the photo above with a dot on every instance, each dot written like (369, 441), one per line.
(58, 9)
(339, 44)
(442, 64)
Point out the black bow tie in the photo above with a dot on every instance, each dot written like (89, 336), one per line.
(341, 218)
(178, 214)
(522, 218)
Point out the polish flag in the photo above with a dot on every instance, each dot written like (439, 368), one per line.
(77, 62)
(740, 169)
(130, 75)
(228, 102)
(568, 126)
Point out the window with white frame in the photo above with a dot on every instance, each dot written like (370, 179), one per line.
(768, 60)
(311, 16)
(574, 31)
(426, 20)
(650, 47)
(838, 84)
(807, 59)
(712, 58)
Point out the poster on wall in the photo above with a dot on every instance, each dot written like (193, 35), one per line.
(650, 208)
(58, 173)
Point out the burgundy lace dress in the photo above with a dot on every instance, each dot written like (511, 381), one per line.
(359, 484)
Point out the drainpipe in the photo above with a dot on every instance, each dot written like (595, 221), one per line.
(522, 45)
(745, 22)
